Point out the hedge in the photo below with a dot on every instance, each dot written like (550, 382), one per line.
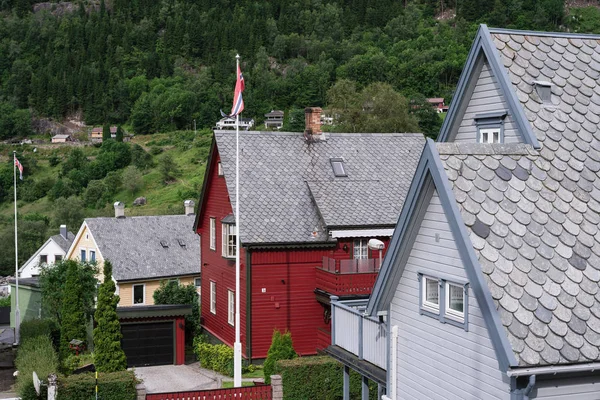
(111, 386)
(32, 328)
(35, 354)
(217, 357)
(318, 378)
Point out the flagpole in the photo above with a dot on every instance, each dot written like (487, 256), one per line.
(237, 346)
(17, 311)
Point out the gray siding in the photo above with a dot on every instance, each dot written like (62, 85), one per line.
(584, 388)
(435, 360)
(486, 97)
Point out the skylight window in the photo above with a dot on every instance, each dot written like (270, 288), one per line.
(338, 166)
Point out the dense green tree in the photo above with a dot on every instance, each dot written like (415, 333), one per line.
(106, 133)
(281, 349)
(168, 168)
(68, 211)
(132, 179)
(170, 292)
(108, 354)
(119, 137)
(73, 321)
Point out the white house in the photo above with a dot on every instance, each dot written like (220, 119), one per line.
(229, 123)
(52, 251)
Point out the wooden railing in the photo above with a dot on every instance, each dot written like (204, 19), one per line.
(262, 392)
(347, 277)
(357, 333)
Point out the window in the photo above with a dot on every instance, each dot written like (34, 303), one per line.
(83, 258)
(213, 297)
(231, 307)
(361, 249)
(228, 240)
(444, 299)
(219, 169)
(490, 135)
(213, 234)
(43, 259)
(57, 257)
(337, 164)
(138, 294)
(431, 298)
(197, 282)
(92, 256)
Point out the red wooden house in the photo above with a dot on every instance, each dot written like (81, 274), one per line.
(309, 204)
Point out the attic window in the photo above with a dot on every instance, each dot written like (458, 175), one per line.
(338, 166)
(181, 242)
(164, 244)
(490, 127)
(544, 90)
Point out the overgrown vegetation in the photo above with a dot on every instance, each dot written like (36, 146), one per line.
(5, 301)
(108, 354)
(318, 378)
(35, 354)
(33, 328)
(111, 386)
(281, 349)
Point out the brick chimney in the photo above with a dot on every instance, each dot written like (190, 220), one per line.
(63, 231)
(312, 116)
(119, 209)
(189, 207)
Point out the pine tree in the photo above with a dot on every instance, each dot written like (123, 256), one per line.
(105, 132)
(108, 354)
(281, 349)
(73, 324)
(119, 137)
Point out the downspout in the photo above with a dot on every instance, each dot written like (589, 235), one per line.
(529, 387)
(393, 365)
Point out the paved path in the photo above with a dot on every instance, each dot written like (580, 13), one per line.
(178, 378)
(7, 335)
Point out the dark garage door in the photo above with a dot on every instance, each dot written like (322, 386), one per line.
(148, 343)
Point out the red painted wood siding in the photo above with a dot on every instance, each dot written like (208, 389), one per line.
(180, 341)
(215, 267)
(262, 392)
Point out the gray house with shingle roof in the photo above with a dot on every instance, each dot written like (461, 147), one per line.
(490, 288)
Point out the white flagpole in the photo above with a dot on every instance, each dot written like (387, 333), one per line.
(237, 346)
(17, 311)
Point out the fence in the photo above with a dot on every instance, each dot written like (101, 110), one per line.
(262, 392)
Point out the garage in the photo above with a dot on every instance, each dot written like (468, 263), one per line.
(153, 335)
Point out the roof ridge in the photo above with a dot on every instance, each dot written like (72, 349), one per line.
(327, 134)
(452, 148)
(542, 33)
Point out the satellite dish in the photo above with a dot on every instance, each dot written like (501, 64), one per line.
(36, 383)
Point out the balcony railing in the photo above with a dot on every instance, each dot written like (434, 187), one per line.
(357, 333)
(347, 277)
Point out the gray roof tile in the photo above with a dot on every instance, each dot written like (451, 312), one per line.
(289, 191)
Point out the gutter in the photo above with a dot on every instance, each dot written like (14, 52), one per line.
(553, 370)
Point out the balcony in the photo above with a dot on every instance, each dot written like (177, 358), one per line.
(347, 277)
(364, 337)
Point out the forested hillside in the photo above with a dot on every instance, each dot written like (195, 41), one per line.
(157, 66)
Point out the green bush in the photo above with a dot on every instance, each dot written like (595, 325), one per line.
(72, 362)
(33, 328)
(111, 386)
(319, 378)
(217, 357)
(5, 301)
(281, 349)
(35, 354)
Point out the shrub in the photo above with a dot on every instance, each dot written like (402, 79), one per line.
(35, 354)
(318, 378)
(33, 328)
(5, 301)
(281, 349)
(217, 357)
(72, 362)
(111, 386)
(169, 293)
(74, 322)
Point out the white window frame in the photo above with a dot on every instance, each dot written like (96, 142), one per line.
(143, 285)
(231, 307)
(450, 313)
(43, 262)
(82, 255)
(58, 257)
(228, 249)
(213, 297)
(213, 233)
(92, 252)
(219, 169)
(199, 284)
(490, 135)
(363, 247)
(427, 305)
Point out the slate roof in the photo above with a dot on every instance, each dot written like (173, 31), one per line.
(289, 193)
(533, 215)
(132, 245)
(64, 243)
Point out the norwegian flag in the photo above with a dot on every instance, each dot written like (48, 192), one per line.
(238, 101)
(20, 166)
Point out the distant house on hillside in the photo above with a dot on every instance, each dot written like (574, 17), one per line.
(229, 123)
(96, 135)
(438, 104)
(61, 138)
(274, 119)
(53, 250)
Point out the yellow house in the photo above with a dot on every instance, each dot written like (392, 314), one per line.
(143, 251)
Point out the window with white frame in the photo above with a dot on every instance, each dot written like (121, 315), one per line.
(139, 296)
(83, 255)
(231, 307)
(489, 135)
(58, 257)
(219, 169)
(43, 259)
(92, 256)
(197, 282)
(228, 236)
(213, 233)
(360, 249)
(213, 297)
(444, 299)
(490, 126)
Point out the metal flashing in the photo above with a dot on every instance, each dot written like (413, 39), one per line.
(545, 34)
(350, 233)
(492, 115)
(430, 169)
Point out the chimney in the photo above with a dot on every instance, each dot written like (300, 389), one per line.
(63, 231)
(189, 207)
(119, 209)
(312, 116)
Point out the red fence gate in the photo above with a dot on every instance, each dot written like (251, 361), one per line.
(262, 392)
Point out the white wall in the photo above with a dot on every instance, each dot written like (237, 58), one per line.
(32, 268)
